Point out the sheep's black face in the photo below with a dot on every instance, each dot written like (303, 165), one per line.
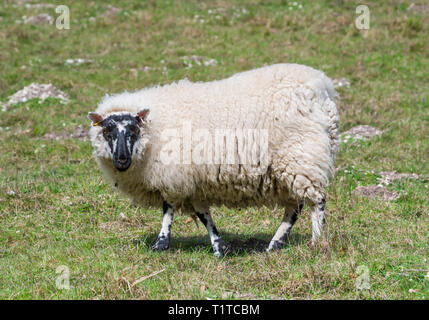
(121, 132)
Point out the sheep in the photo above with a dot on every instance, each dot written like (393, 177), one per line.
(275, 137)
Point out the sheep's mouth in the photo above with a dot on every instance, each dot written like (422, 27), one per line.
(122, 164)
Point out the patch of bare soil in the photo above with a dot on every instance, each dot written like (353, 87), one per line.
(388, 176)
(418, 8)
(362, 132)
(375, 192)
(79, 133)
(56, 136)
(39, 19)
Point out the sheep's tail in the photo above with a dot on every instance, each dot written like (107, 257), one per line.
(329, 87)
(330, 108)
(325, 88)
(334, 127)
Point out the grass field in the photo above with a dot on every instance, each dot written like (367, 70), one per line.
(61, 212)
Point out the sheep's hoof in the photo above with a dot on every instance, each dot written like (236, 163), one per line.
(220, 248)
(218, 254)
(275, 245)
(161, 244)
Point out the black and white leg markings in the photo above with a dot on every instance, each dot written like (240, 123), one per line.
(317, 219)
(219, 247)
(163, 241)
(289, 219)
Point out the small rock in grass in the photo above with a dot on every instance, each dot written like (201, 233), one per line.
(190, 61)
(146, 69)
(375, 192)
(135, 71)
(216, 11)
(341, 82)
(39, 5)
(76, 62)
(39, 19)
(362, 132)
(34, 90)
(111, 10)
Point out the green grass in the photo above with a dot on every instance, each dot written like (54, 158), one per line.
(63, 213)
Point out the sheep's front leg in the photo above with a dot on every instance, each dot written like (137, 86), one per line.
(163, 241)
(317, 220)
(289, 218)
(219, 247)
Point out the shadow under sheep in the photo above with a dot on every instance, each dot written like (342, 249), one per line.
(237, 244)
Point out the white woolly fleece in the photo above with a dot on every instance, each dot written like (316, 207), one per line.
(294, 103)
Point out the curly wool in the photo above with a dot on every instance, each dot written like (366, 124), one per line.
(294, 103)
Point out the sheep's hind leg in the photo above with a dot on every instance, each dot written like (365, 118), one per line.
(317, 220)
(289, 219)
(163, 241)
(219, 247)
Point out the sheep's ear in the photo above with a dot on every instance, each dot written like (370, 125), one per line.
(142, 115)
(95, 118)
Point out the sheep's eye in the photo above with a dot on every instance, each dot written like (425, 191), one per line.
(106, 134)
(135, 130)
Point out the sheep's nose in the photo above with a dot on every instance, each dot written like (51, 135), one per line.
(122, 159)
